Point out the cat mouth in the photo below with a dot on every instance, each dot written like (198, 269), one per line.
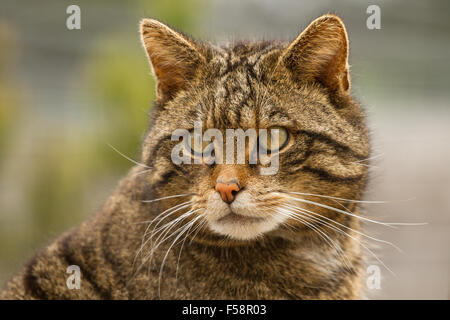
(235, 217)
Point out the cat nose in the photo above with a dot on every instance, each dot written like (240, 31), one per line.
(227, 189)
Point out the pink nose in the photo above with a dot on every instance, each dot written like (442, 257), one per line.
(227, 190)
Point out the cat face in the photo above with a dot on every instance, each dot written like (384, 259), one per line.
(299, 90)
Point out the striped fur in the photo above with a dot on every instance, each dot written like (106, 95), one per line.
(303, 86)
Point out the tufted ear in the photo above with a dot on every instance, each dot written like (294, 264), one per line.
(320, 54)
(174, 58)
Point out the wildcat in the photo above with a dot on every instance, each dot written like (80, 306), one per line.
(225, 231)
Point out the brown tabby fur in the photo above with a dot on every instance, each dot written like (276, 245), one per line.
(303, 86)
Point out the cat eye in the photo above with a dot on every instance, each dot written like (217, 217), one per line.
(269, 141)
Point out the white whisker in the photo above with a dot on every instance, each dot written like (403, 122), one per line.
(169, 212)
(142, 172)
(171, 225)
(168, 197)
(128, 158)
(319, 231)
(371, 158)
(196, 230)
(186, 228)
(342, 211)
(340, 199)
(364, 246)
(305, 211)
(388, 224)
(148, 257)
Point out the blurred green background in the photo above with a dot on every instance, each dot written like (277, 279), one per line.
(65, 94)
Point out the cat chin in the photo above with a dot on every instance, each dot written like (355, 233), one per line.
(243, 230)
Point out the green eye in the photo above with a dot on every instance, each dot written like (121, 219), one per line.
(272, 141)
(196, 145)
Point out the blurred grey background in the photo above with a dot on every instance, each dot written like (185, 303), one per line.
(65, 94)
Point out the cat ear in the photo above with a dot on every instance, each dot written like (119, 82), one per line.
(320, 53)
(174, 58)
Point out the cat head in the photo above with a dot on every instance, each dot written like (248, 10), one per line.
(298, 93)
